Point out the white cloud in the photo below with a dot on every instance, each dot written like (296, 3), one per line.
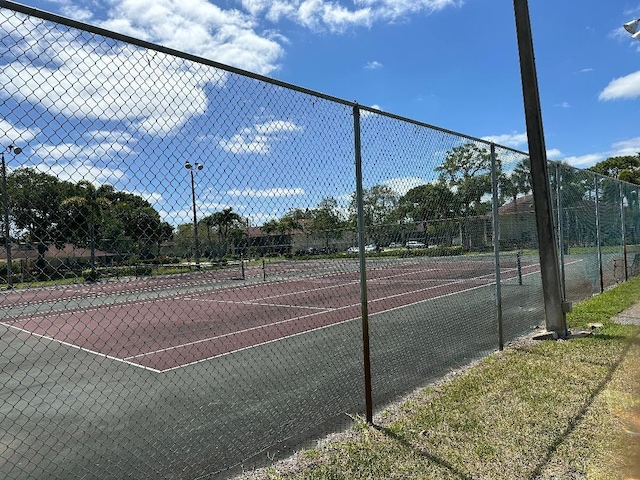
(368, 113)
(374, 65)
(584, 161)
(83, 161)
(199, 27)
(153, 198)
(630, 147)
(627, 87)
(402, 185)
(563, 105)
(335, 17)
(553, 153)
(150, 92)
(276, 126)
(75, 171)
(14, 134)
(268, 193)
(513, 140)
(259, 138)
(246, 142)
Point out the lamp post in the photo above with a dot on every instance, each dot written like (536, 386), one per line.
(555, 305)
(196, 253)
(5, 203)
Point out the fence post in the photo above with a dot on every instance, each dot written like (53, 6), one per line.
(363, 270)
(560, 227)
(624, 233)
(598, 234)
(555, 307)
(496, 245)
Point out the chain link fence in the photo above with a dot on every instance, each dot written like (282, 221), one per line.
(202, 269)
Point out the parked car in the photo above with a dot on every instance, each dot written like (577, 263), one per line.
(372, 247)
(395, 245)
(414, 244)
(353, 250)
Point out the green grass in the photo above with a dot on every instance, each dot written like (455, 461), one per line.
(539, 410)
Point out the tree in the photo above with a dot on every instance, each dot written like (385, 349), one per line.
(132, 222)
(626, 168)
(428, 203)
(516, 182)
(82, 214)
(466, 170)
(379, 205)
(325, 220)
(225, 222)
(34, 201)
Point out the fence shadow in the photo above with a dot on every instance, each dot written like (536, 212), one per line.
(580, 415)
(424, 454)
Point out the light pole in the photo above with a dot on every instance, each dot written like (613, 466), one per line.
(198, 166)
(5, 203)
(554, 304)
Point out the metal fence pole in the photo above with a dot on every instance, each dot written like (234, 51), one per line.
(554, 306)
(496, 245)
(624, 233)
(598, 234)
(560, 227)
(7, 230)
(363, 268)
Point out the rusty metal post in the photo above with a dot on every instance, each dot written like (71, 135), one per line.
(363, 269)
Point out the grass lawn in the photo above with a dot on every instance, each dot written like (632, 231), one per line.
(567, 409)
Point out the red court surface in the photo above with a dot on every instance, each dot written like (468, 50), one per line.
(165, 333)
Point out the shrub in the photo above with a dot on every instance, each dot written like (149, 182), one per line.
(90, 274)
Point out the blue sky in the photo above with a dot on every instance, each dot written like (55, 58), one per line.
(449, 63)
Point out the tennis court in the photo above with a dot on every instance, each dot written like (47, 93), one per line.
(166, 332)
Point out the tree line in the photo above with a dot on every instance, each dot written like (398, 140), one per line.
(461, 195)
(46, 210)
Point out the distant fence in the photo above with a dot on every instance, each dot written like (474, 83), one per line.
(206, 268)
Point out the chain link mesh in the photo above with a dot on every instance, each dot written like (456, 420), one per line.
(184, 280)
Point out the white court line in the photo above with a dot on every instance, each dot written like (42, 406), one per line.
(281, 322)
(344, 321)
(328, 326)
(250, 302)
(83, 349)
(310, 290)
(137, 365)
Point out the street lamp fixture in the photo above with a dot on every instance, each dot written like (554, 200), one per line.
(632, 28)
(190, 167)
(5, 202)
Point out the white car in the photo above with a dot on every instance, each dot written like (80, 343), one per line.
(414, 244)
(353, 250)
(372, 247)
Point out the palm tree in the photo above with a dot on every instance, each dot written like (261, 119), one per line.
(224, 221)
(87, 206)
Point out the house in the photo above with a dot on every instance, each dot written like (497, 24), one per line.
(69, 255)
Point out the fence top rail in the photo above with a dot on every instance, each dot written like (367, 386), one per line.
(52, 17)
